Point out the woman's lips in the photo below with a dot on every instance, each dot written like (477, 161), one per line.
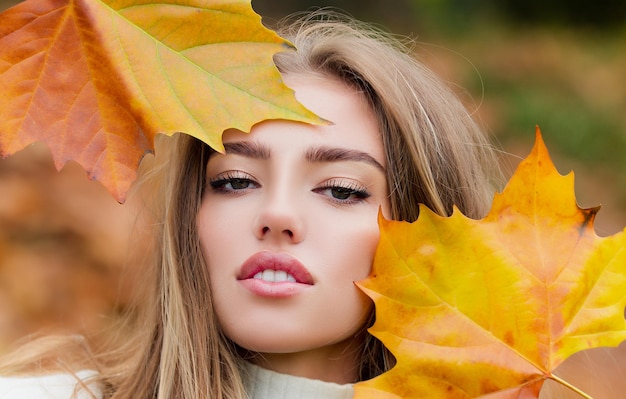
(274, 274)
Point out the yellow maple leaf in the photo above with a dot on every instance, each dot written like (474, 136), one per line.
(96, 80)
(490, 308)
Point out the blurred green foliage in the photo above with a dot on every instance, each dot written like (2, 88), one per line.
(456, 15)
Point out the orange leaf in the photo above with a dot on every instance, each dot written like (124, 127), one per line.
(490, 308)
(96, 80)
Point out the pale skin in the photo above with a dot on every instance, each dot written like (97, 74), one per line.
(300, 200)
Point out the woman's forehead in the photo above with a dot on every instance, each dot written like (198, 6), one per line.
(352, 123)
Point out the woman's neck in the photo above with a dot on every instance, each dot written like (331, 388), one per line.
(338, 363)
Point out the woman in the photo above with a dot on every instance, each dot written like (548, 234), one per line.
(259, 247)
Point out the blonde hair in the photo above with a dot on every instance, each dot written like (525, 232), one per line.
(436, 155)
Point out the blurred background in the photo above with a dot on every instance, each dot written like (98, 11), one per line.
(559, 64)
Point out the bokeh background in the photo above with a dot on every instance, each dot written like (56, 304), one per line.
(559, 64)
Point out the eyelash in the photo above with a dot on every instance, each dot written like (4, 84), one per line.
(219, 183)
(354, 193)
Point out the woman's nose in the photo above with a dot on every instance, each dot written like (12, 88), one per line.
(280, 218)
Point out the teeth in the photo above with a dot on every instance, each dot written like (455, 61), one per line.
(274, 276)
(280, 275)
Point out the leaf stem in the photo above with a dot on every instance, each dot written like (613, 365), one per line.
(570, 386)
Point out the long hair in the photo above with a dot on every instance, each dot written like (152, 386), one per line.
(435, 155)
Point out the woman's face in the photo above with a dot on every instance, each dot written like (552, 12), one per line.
(289, 221)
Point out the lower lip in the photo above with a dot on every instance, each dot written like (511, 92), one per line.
(273, 290)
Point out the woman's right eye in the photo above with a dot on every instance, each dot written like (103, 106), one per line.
(232, 183)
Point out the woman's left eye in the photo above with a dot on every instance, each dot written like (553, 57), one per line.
(344, 194)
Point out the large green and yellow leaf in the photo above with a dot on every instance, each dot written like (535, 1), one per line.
(96, 80)
(489, 308)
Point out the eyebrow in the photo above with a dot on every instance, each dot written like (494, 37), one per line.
(313, 155)
(334, 154)
(247, 149)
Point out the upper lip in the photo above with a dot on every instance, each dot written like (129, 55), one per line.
(265, 260)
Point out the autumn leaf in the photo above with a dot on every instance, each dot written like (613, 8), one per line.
(490, 308)
(96, 80)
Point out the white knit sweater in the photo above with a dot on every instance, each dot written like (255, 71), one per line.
(260, 384)
(266, 384)
(53, 386)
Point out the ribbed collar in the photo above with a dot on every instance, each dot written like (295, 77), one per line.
(266, 384)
